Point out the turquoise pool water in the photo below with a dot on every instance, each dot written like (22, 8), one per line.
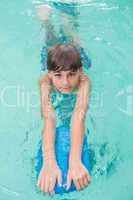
(106, 30)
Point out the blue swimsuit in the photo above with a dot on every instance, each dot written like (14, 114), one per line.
(63, 104)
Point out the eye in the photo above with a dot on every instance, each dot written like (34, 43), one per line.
(71, 74)
(58, 75)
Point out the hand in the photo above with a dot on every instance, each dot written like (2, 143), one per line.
(84, 80)
(79, 174)
(47, 177)
(46, 83)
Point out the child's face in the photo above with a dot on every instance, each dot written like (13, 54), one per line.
(65, 81)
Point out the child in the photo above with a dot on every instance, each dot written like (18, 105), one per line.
(65, 92)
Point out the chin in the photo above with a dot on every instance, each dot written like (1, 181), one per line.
(66, 90)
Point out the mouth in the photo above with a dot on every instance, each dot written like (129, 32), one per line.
(68, 88)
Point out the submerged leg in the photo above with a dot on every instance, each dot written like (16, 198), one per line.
(69, 17)
(70, 25)
(44, 13)
(69, 30)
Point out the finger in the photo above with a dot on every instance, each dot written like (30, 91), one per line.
(51, 185)
(38, 183)
(86, 181)
(81, 182)
(68, 181)
(46, 184)
(89, 178)
(39, 180)
(87, 175)
(77, 183)
(52, 193)
(59, 178)
(42, 185)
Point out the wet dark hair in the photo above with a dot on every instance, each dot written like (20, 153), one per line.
(63, 57)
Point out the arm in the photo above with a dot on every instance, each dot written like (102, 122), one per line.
(77, 123)
(77, 171)
(47, 111)
(50, 170)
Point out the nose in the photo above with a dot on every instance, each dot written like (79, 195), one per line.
(65, 81)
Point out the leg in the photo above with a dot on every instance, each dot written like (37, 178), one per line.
(68, 13)
(70, 31)
(70, 28)
(44, 12)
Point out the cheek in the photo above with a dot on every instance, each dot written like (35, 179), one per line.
(75, 80)
(56, 81)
